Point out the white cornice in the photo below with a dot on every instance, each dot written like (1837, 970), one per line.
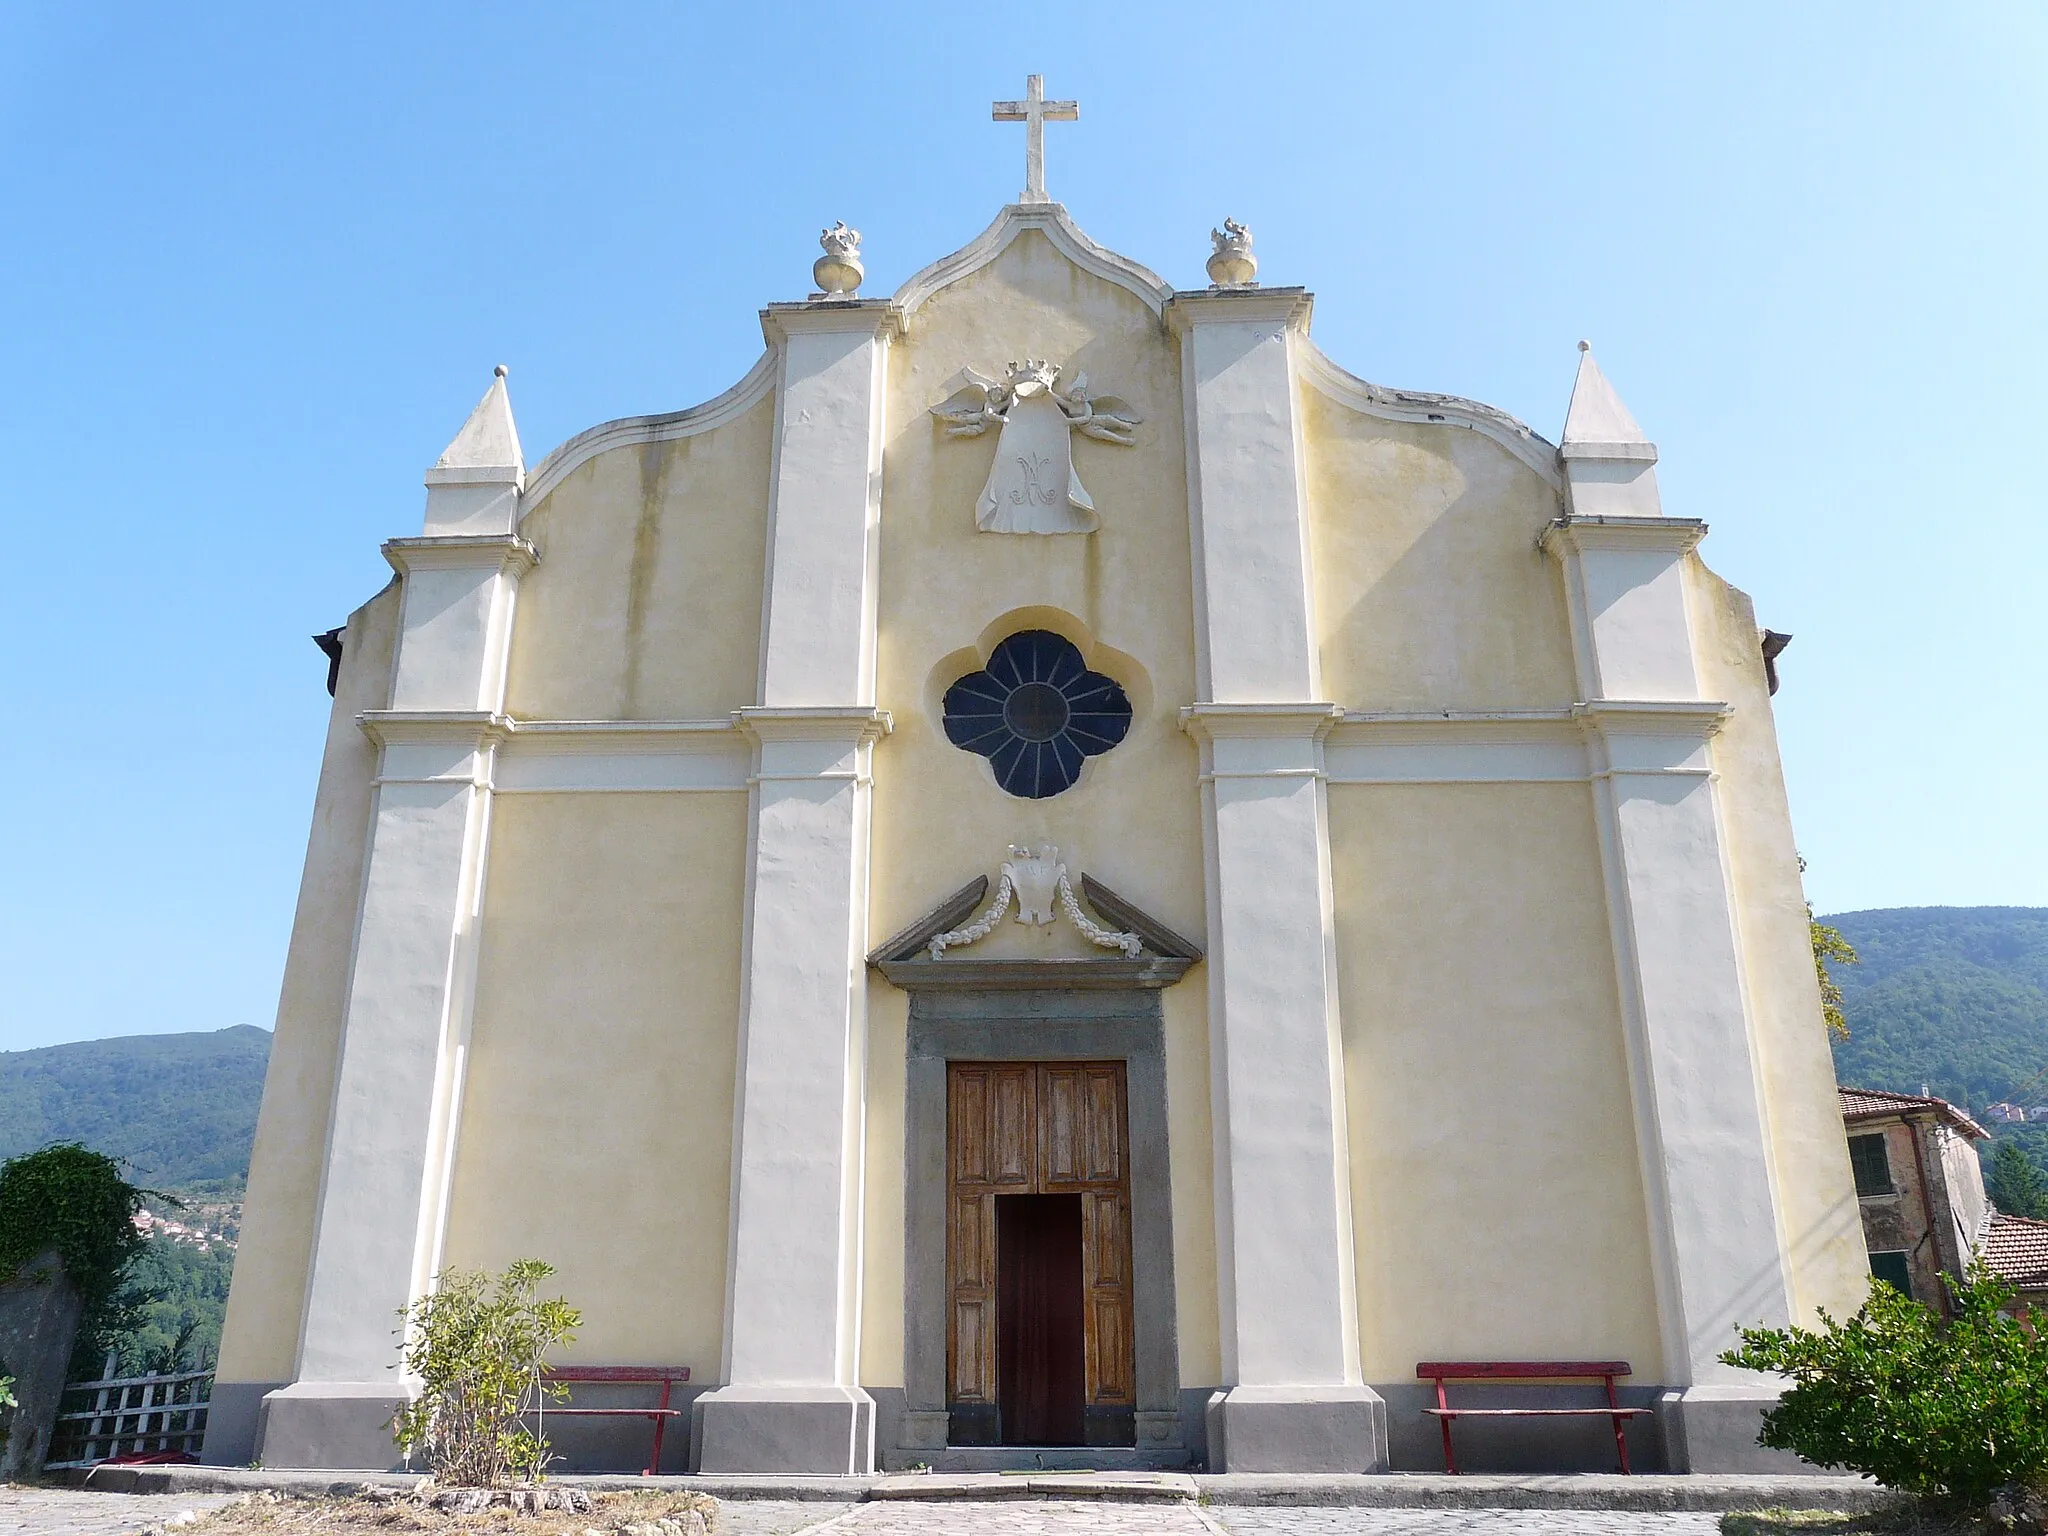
(1492, 746)
(630, 430)
(1052, 221)
(830, 317)
(462, 552)
(430, 724)
(1432, 410)
(1292, 307)
(1699, 718)
(1243, 722)
(544, 735)
(622, 756)
(1629, 453)
(849, 724)
(489, 474)
(1676, 534)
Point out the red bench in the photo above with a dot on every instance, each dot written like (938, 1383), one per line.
(665, 1376)
(1606, 1371)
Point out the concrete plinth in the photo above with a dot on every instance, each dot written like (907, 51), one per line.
(332, 1424)
(1297, 1429)
(1714, 1429)
(816, 1431)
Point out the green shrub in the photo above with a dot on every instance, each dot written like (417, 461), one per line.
(478, 1347)
(1949, 1410)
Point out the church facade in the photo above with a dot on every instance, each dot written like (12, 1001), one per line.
(1052, 869)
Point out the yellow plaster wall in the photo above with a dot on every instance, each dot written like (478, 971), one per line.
(1430, 590)
(260, 1339)
(646, 604)
(1497, 1197)
(597, 1121)
(948, 594)
(1822, 1230)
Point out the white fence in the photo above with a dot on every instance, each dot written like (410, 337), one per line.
(130, 1416)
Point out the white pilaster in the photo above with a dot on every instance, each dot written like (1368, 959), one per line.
(391, 1135)
(1294, 1401)
(1718, 1248)
(791, 1401)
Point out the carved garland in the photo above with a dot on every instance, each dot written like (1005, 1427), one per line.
(1036, 879)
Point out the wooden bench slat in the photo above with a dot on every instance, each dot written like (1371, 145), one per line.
(633, 1373)
(1485, 1370)
(1537, 1414)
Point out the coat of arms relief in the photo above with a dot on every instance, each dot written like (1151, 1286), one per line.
(1032, 486)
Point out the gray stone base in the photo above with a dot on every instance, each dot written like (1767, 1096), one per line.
(1714, 1429)
(828, 1431)
(234, 1416)
(332, 1425)
(1297, 1429)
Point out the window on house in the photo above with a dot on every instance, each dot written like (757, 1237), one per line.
(1893, 1270)
(1872, 1167)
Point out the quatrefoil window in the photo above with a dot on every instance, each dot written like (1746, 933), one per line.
(1036, 713)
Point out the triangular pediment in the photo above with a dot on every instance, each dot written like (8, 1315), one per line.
(933, 951)
(1052, 221)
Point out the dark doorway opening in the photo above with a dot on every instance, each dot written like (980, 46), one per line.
(1041, 1343)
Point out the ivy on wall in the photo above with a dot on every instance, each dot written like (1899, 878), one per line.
(75, 1201)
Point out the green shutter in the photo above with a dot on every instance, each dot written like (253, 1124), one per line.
(1872, 1167)
(1893, 1270)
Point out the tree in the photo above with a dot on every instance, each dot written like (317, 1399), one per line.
(1830, 948)
(2014, 1184)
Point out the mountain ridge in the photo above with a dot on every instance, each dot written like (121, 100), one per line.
(179, 1110)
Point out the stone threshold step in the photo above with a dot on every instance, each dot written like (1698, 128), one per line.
(1706, 1493)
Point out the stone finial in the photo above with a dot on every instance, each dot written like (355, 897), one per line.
(488, 442)
(838, 272)
(1597, 424)
(1610, 465)
(1232, 264)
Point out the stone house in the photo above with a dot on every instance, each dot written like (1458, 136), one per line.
(1920, 1186)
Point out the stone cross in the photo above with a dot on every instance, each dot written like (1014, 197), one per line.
(1034, 112)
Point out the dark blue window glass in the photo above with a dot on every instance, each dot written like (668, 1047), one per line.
(1036, 713)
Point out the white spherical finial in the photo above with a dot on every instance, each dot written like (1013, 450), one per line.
(1585, 346)
(500, 371)
(838, 272)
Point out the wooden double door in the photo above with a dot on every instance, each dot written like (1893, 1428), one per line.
(1038, 1254)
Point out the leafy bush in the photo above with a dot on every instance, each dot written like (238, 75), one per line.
(478, 1346)
(1950, 1411)
(75, 1201)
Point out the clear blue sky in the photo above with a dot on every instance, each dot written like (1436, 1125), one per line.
(256, 263)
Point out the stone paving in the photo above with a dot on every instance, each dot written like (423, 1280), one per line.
(75, 1512)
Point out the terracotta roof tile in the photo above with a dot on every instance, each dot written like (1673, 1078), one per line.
(2017, 1248)
(1866, 1103)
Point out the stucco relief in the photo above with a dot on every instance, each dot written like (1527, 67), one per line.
(1035, 879)
(1032, 486)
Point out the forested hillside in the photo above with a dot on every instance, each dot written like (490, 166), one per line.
(181, 1109)
(1953, 999)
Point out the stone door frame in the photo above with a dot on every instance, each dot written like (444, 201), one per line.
(1052, 1023)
